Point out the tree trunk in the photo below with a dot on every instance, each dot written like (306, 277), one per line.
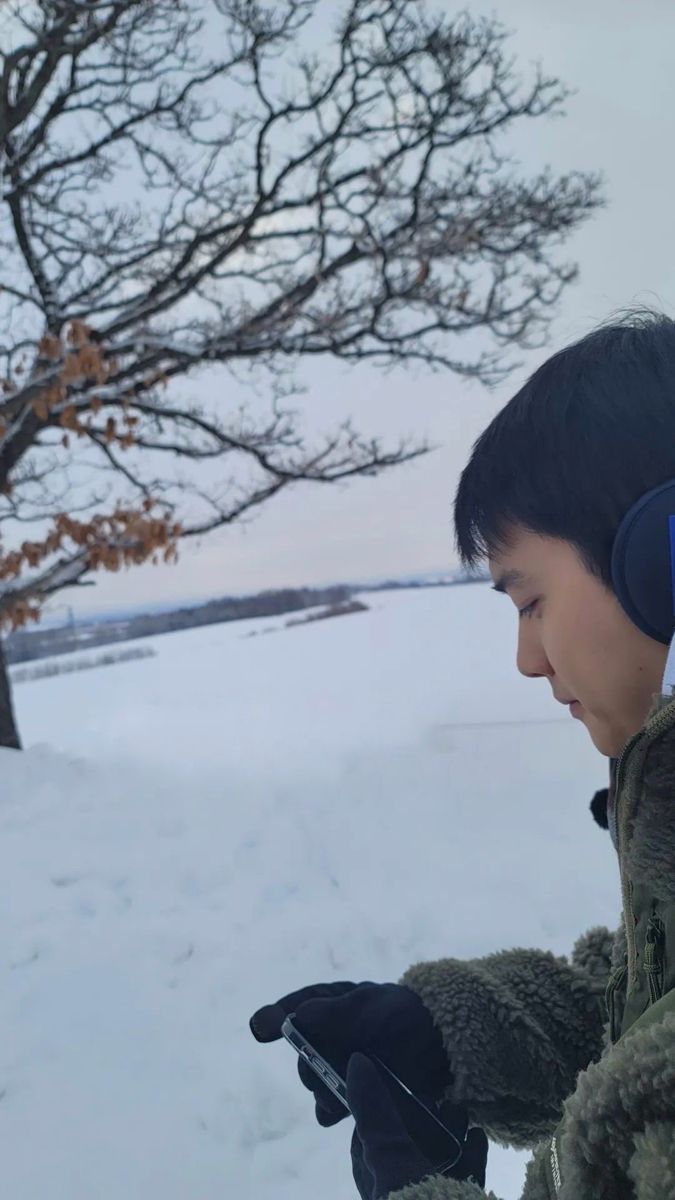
(8, 732)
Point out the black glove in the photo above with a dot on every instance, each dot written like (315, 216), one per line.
(386, 1020)
(384, 1156)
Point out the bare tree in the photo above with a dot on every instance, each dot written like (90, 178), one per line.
(215, 186)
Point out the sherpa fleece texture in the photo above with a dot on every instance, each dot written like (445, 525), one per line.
(619, 1140)
(518, 1026)
(438, 1188)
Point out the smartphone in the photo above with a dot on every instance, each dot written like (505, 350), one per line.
(442, 1147)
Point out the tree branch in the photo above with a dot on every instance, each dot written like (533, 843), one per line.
(167, 210)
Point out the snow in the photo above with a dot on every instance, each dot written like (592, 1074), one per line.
(190, 836)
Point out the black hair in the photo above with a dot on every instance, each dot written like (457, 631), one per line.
(590, 432)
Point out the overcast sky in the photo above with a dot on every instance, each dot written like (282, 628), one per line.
(619, 56)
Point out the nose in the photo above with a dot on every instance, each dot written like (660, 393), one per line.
(531, 658)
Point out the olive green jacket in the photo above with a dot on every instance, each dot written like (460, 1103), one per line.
(577, 1058)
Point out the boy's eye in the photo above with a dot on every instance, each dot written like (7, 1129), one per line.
(528, 610)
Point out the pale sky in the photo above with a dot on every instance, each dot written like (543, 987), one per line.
(619, 57)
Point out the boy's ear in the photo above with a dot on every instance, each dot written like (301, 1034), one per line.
(599, 807)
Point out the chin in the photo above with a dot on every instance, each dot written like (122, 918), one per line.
(608, 741)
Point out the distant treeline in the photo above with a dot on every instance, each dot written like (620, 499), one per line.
(339, 610)
(67, 666)
(28, 644)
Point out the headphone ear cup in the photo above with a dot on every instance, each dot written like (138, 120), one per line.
(643, 563)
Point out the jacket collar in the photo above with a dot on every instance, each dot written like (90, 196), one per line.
(642, 824)
(650, 845)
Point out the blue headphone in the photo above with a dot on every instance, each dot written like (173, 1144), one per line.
(643, 563)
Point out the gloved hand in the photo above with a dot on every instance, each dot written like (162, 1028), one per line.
(386, 1020)
(384, 1156)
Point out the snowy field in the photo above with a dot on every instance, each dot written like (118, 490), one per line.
(190, 836)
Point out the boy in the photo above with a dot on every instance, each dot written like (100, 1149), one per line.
(570, 496)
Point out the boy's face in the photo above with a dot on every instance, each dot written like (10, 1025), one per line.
(575, 633)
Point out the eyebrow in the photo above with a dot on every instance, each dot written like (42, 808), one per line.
(509, 579)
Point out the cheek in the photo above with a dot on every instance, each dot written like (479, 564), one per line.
(594, 654)
(578, 648)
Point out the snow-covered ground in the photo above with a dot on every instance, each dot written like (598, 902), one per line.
(190, 836)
